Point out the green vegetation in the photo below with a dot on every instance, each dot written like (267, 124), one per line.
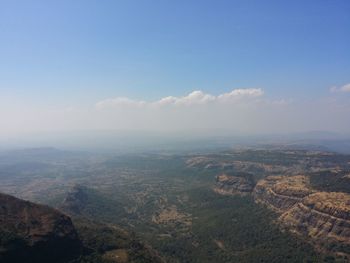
(171, 206)
(11, 241)
(99, 239)
(331, 181)
(233, 229)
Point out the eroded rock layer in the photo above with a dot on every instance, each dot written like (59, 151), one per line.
(321, 217)
(231, 185)
(324, 217)
(35, 233)
(280, 193)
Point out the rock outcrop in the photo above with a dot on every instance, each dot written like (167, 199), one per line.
(232, 185)
(323, 217)
(280, 193)
(35, 233)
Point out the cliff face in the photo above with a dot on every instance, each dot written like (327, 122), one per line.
(232, 185)
(280, 193)
(35, 233)
(324, 217)
(320, 217)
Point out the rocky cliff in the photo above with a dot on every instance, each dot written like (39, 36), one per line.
(35, 233)
(280, 193)
(323, 217)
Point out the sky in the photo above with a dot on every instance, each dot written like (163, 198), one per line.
(157, 65)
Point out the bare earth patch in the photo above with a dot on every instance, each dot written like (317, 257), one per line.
(117, 255)
(220, 244)
(171, 215)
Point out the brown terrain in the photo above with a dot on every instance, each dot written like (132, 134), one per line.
(208, 163)
(280, 193)
(35, 232)
(232, 185)
(322, 218)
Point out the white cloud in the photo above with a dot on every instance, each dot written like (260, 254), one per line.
(119, 101)
(167, 100)
(345, 88)
(240, 110)
(196, 97)
(240, 93)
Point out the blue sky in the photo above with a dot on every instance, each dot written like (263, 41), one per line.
(77, 53)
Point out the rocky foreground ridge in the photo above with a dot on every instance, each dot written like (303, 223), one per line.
(35, 233)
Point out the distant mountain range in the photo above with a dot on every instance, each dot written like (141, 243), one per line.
(131, 142)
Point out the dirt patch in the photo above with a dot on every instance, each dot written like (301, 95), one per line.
(220, 244)
(117, 255)
(171, 215)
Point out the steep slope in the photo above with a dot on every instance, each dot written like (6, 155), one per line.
(92, 213)
(75, 201)
(232, 185)
(324, 217)
(111, 244)
(90, 203)
(35, 233)
(280, 193)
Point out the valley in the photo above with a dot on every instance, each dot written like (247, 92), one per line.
(244, 205)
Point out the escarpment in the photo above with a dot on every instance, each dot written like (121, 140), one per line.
(324, 218)
(35, 233)
(320, 217)
(231, 185)
(280, 193)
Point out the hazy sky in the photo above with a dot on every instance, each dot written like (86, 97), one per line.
(240, 66)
